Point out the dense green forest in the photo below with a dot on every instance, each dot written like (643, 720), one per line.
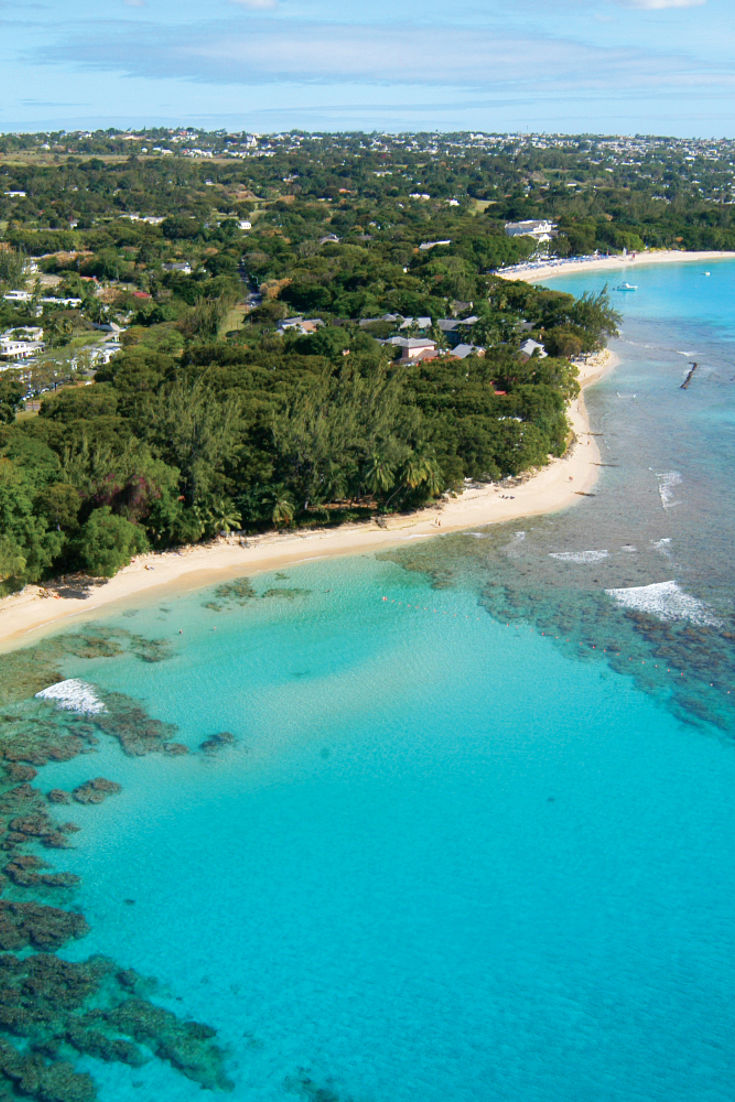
(217, 330)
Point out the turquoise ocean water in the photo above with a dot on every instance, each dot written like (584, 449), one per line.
(474, 839)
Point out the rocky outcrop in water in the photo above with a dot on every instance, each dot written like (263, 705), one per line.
(215, 743)
(33, 1077)
(33, 924)
(237, 592)
(52, 1010)
(96, 1009)
(134, 729)
(95, 791)
(23, 871)
(58, 796)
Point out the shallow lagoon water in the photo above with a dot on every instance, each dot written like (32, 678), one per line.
(474, 837)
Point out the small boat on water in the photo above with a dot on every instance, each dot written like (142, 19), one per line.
(626, 287)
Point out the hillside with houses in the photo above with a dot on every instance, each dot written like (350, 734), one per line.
(211, 332)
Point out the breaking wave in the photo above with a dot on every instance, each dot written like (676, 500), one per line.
(667, 481)
(73, 695)
(579, 556)
(665, 600)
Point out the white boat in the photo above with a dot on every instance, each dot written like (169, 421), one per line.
(626, 287)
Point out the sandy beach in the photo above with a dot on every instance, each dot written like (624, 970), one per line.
(36, 610)
(538, 273)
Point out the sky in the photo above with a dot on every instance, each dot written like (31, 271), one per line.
(662, 67)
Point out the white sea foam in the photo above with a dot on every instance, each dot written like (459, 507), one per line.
(579, 556)
(665, 600)
(73, 695)
(662, 545)
(667, 483)
(628, 547)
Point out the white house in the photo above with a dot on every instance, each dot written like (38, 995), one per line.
(300, 324)
(540, 230)
(105, 352)
(11, 349)
(23, 333)
(50, 301)
(530, 347)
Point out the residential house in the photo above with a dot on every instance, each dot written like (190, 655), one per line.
(456, 330)
(413, 348)
(104, 353)
(532, 348)
(47, 300)
(462, 351)
(12, 349)
(300, 324)
(385, 317)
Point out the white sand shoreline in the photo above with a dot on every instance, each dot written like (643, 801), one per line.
(611, 263)
(36, 610)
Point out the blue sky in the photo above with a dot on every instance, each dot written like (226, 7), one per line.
(602, 66)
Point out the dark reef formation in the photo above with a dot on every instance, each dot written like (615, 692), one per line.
(53, 1010)
(215, 743)
(238, 592)
(303, 1084)
(687, 666)
(241, 591)
(95, 791)
(96, 1008)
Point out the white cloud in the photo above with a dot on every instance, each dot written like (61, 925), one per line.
(256, 5)
(660, 5)
(487, 60)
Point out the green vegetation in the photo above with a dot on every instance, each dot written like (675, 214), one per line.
(168, 283)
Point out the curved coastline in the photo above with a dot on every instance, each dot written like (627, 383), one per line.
(536, 274)
(36, 610)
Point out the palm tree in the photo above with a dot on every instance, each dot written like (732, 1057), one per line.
(419, 470)
(379, 476)
(432, 478)
(412, 472)
(283, 513)
(221, 516)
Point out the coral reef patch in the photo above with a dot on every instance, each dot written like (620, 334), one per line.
(215, 743)
(53, 1011)
(61, 1009)
(95, 791)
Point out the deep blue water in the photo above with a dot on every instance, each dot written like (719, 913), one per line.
(475, 838)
